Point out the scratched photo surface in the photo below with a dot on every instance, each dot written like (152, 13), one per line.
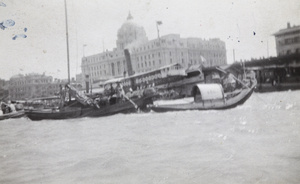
(256, 142)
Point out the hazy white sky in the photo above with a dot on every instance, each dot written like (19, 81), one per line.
(93, 22)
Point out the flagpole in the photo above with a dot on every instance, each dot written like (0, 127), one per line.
(268, 48)
(158, 23)
(157, 30)
(233, 56)
(67, 35)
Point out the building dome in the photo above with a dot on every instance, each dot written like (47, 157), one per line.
(18, 76)
(129, 33)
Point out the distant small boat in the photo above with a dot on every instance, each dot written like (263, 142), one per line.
(16, 114)
(206, 97)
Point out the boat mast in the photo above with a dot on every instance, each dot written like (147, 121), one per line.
(67, 39)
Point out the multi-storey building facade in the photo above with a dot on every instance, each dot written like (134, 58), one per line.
(22, 87)
(288, 40)
(3, 89)
(148, 55)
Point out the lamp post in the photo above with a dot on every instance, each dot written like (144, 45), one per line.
(157, 24)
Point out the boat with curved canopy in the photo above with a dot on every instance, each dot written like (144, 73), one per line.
(206, 97)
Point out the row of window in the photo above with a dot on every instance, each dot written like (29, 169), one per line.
(29, 82)
(292, 40)
(287, 52)
(29, 88)
(147, 64)
(117, 69)
(103, 57)
(147, 47)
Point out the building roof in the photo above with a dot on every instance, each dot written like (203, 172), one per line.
(272, 62)
(287, 30)
(17, 76)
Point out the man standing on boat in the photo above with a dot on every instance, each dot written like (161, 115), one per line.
(62, 94)
(11, 106)
(229, 83)
(2, 108)
(120, 92)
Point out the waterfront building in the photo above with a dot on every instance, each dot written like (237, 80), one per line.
(3, 89)
(147, 55)
(288, 40)
(22, 87)
(276, 73)
(79, 79)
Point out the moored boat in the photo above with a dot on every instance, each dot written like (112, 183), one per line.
(83, 106)
(206, 97)
(55, 113)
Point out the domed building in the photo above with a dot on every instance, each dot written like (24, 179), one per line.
(147, 55)
(130, 33)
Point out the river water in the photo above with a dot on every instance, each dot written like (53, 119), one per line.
(258, 142)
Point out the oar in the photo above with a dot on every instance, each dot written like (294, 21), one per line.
(241, 83)
(135, 106)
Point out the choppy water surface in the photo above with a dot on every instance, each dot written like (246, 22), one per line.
(258, 142)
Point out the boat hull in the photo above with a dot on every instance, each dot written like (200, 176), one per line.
(67, 113)
(77, 112)
(17, 114)
(122, 107)
(208, 104)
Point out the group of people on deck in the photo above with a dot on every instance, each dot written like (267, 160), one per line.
(9, 107)
(114, 93)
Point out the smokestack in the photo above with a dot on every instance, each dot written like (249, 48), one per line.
(288, 25)
(87, 83)
(128, 62)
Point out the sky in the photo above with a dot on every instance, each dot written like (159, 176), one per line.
(246, 26)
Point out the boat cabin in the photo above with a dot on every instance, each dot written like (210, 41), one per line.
(205, 92)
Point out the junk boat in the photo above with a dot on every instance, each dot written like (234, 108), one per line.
(79, 105)
(210, 96)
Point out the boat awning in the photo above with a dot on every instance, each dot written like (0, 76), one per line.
(115, 80)
(98, 90)
(210, 91)
(179, 72)
(44, 98)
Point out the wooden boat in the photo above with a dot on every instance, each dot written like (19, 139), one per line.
(16, 114)
(126, 106)
(65, 113)
(37, 109)
(83, 106)
(206, 97)
(88, 111)
(114, 100)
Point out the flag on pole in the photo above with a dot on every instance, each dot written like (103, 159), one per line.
(203, 59)
(158, 22)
